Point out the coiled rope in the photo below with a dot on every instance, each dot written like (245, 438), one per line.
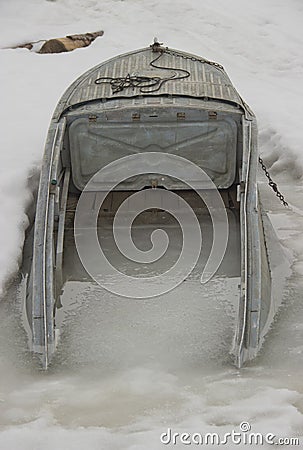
(145, 84)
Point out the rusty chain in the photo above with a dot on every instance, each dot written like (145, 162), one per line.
(191, 58)
(272, 184)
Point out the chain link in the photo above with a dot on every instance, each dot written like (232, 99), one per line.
(272, 184)
(191, 58)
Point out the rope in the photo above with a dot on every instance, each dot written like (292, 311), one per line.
(144, 83)
(118, 84)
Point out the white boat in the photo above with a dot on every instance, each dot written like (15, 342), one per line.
(154, 100)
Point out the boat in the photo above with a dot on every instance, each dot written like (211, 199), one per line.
(142, 106)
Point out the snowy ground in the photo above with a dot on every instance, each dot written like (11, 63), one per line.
(260, 45)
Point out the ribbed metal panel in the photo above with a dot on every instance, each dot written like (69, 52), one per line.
(205, 80)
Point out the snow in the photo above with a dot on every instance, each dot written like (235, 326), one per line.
(260, 45)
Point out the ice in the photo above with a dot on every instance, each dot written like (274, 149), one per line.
(259, 45)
